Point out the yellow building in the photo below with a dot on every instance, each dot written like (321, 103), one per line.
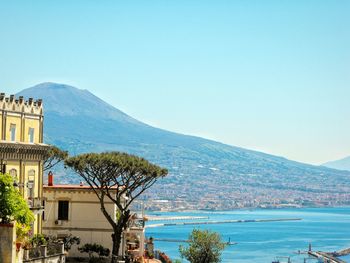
(22, 150)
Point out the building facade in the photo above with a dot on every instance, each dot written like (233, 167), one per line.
(75, 210)
(22, 151)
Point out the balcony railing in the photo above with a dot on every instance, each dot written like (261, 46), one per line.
(53, 252)
(136, 223)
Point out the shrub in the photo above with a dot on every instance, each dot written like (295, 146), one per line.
(13, 207)
(68, 241)
(38, 240)
(204, 247)
(94, 248)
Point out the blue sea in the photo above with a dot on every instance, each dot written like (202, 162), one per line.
(327, 229)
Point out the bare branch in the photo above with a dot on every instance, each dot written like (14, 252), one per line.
(54, 156)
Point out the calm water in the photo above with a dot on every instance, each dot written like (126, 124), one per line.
(328, 229)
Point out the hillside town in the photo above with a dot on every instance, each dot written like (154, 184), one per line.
(236, 195)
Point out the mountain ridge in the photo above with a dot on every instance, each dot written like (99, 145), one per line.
(341, 164)
(55, 90)
(78, 121)
(45, 85)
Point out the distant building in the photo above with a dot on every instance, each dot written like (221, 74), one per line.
(22, 150)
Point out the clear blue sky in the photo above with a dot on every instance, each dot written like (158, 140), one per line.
(267, 75)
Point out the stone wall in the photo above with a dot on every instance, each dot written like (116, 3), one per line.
(7, 243)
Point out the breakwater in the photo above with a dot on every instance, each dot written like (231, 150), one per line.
(173, 218)
(224, 222)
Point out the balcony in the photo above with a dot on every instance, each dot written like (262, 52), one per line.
(45, 254)
(136, 223)
(35, 203)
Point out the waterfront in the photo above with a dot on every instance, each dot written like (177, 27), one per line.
(328, 229)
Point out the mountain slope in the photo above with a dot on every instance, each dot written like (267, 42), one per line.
(78, 121)
(342, 164)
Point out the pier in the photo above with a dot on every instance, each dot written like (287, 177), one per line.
(341, 253)
(229, 243)
(223, 222)
(325, 257)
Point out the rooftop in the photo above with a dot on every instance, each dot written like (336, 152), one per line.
(67, 186)
(70, 186)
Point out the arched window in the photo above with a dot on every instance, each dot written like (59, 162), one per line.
(13, 173)
(31, 175)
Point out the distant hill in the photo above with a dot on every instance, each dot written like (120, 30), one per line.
(342, 164)
(203, 173)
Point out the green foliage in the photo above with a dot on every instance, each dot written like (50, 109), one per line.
(38, 240)
(117, 214)
(94, 248)
(22, 231)
(104, 171)
(204, 247)
(7, 198)
(122, 164)
(13, 206)
(68, 241)
(54, 156)
(112, 176)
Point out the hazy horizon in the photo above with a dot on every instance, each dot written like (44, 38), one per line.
(270, 76)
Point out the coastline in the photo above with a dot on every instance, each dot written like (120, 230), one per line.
(244, 209)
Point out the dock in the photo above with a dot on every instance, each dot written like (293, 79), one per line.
(223, 222)
(341, 253)
(325, 257)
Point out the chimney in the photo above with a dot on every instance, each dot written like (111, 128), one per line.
(50, 181)
(30, 101)
(12, 97)
(2, 96)
(81, 183)
(20, 99)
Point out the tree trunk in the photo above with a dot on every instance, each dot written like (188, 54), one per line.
(117, 235)
(116, 238)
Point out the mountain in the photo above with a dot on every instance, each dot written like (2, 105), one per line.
(203, 173)
(342, 164)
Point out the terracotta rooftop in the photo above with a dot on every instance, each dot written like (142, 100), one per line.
(68, 186)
